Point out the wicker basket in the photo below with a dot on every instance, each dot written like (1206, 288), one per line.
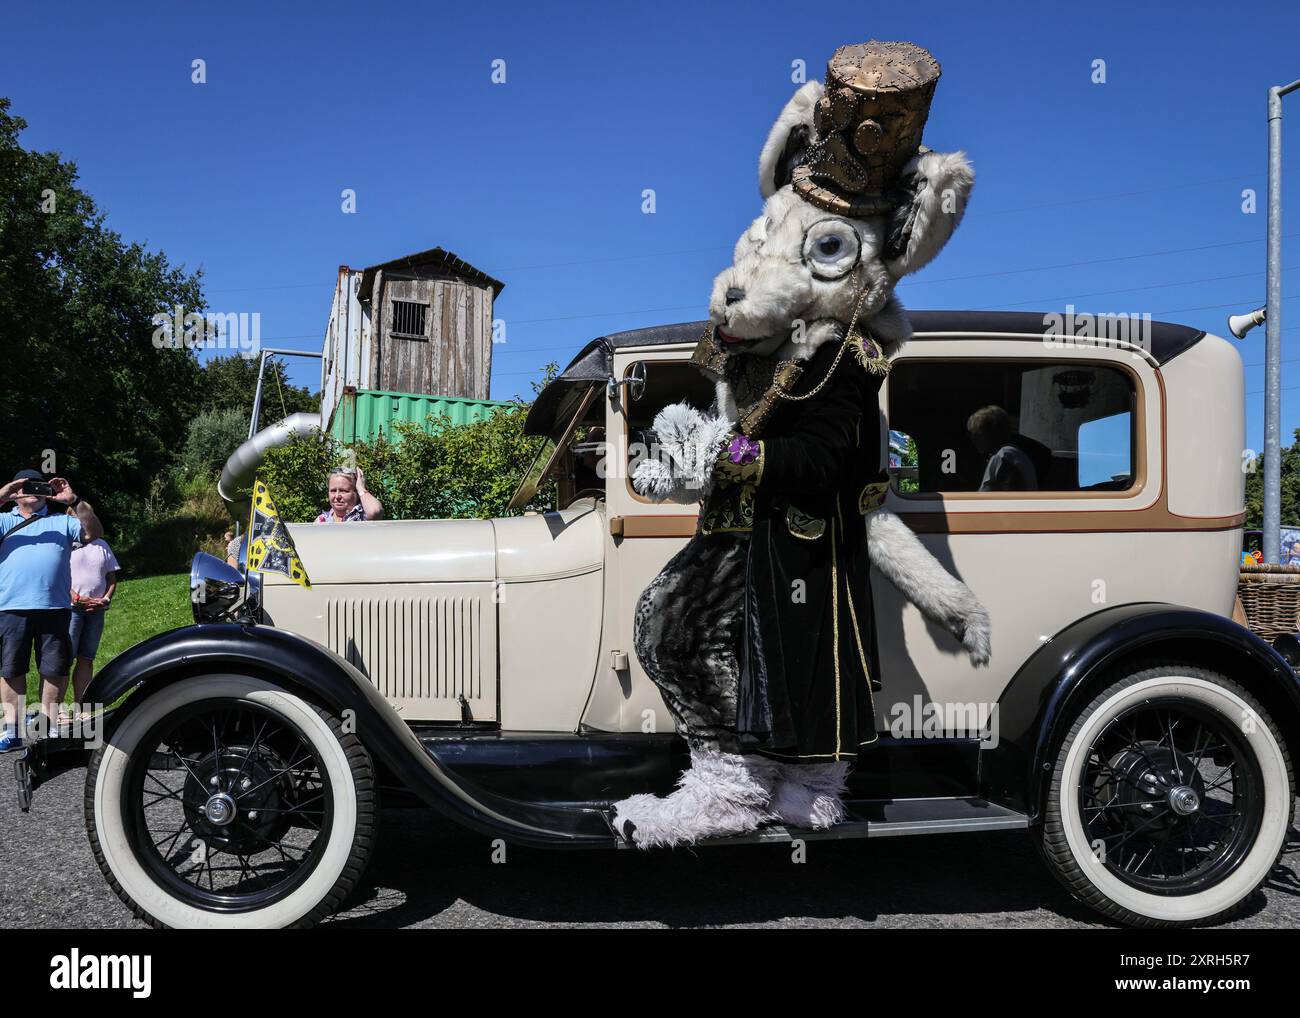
(1270, 598)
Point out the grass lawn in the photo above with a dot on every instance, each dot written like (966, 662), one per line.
(141, 608)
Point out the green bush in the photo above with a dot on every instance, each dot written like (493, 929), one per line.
(470, 470)
(167, 535)
(441, 471)
(298, 473)
(210, 439)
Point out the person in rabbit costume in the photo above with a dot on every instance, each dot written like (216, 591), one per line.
(759, 632)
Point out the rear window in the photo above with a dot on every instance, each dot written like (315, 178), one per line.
(968, 426)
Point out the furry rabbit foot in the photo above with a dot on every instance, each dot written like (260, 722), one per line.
(808, 795)
(721, 794)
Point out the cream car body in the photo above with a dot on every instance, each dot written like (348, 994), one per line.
(529, 618)
(485, 669)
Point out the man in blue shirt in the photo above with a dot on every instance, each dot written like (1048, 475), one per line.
(36, 594)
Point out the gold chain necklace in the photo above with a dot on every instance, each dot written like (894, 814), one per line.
(877, 364)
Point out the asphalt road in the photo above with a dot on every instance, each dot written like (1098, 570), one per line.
(427, 873)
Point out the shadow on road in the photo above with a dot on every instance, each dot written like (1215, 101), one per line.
(427, 872)
(422, 866)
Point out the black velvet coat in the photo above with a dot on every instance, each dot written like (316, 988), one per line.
(808, 661)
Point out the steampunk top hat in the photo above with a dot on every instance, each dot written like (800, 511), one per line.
(868, 123)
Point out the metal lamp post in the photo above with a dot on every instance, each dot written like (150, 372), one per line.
(1273, 333)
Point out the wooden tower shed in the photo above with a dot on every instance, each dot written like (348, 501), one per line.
(421, 324)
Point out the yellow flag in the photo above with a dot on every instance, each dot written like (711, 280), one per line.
(270, 548)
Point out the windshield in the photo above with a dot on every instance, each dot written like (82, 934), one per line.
(567, 416)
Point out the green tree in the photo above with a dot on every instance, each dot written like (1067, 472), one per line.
(909, 458)
(211, 437)
(426, 472)
(88, 392)
(229, 383)
(1290, 486)
(297, 473)
(443, 472)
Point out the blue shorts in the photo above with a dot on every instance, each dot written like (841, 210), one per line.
(44, 629)
(85, 631)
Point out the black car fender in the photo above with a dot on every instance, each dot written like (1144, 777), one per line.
(1056, 681)
(308, 668)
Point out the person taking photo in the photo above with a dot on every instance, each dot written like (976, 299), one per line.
(36, 592)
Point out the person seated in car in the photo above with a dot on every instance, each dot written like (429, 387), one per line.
(588, 460)
(350, 501)
(236, 549)
(1009, 467)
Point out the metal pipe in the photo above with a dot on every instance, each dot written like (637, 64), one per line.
(236, 484)
(257, 396)
(261, 367)
(1273, 336)
(1273, 333)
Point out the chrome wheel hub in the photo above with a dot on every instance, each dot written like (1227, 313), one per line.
(220, 810)
(1183, 800)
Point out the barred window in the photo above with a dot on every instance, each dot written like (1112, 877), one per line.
(408, 319)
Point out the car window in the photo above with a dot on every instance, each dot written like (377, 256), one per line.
(902, 461)
(666, 382)
(552, 452)
(967, 426)
(1104, 453)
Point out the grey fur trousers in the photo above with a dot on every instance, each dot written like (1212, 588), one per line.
(688, 626)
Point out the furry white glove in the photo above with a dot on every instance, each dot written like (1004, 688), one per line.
(679, 464)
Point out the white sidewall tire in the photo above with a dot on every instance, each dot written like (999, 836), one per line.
(1273, 825)
(114, 841)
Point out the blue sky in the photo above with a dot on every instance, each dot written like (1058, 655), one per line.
(1122, 196)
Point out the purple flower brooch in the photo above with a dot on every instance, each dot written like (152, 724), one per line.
(742, 449)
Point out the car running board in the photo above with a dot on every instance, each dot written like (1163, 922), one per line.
(885, 818)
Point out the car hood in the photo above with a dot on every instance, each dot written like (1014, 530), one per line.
(541, 546)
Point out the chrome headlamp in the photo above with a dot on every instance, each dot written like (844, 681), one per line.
(221, 593)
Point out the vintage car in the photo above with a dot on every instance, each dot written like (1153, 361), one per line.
(484, 668)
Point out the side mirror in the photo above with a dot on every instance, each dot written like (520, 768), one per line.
(635, 382)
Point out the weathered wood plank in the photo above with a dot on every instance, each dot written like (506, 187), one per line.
(455, 356)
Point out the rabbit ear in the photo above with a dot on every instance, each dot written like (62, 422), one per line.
(788, 141)
(938, 185)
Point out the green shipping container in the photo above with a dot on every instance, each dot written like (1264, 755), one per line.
(360, 415)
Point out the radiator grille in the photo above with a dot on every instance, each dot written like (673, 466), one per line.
(411, 648)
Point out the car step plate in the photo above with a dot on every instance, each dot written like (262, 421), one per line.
(889, 818)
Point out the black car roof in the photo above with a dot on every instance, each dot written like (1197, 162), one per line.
(595, 361)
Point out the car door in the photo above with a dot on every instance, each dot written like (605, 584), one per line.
(642, 536)
(1069, 521)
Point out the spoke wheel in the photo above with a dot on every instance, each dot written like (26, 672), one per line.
(232, 805)
(1170, 798)
(224, 801)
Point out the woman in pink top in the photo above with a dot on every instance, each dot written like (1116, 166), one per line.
(94, 581)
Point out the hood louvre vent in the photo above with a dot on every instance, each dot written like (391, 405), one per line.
(425, 651)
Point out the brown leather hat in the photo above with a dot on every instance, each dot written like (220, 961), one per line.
(869, 122)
